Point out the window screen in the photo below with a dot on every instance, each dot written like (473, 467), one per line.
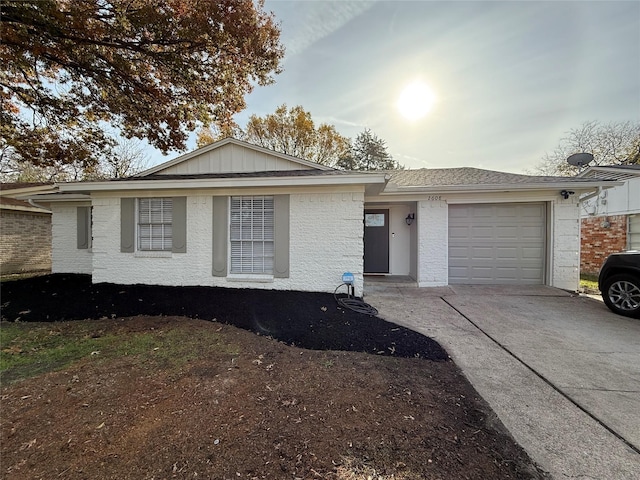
(154, 223)
(251, 235)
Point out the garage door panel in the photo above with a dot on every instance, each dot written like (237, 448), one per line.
(459, 232)
(505, 253)
(481, 233)
(532, 211)
(505, 273)
(534, 233)
(481, 252)
(505, 233)
(459, 253)
(530, 274)
(497, 243)
(459, 212)
(532, 253)
(480, 212)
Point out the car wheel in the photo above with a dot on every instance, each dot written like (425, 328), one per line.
(621, 293)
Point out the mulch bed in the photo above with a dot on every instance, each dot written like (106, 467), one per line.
(304, 319)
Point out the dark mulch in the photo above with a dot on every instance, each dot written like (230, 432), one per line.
(304, 319)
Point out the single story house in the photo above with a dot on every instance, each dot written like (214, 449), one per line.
(25, 230)
(233, 214)
(610, 219)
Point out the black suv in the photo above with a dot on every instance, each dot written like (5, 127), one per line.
(619, 282)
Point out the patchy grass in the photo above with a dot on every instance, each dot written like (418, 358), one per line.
(173, 397)
(31, 349)
(589, 282)
(7, 277)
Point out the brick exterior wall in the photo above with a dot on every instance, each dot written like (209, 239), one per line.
(597, 242)
(565, 248)
(25, 242)
(66, 256)
(433, 243)
(326, 240)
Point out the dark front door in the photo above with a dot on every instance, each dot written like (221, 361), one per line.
(376, 241)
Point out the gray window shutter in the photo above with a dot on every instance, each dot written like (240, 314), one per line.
(127, 224)
(281, 236)
(179, 225)
(83, 224)
(220, 235)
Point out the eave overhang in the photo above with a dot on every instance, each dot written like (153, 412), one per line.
(392, 189)
(219, 183)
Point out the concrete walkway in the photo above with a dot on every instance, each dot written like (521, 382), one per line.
(561, 372)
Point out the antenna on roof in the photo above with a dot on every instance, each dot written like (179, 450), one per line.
(580, 160)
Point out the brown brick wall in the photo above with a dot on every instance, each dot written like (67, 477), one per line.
(597, 241)
(25, 241)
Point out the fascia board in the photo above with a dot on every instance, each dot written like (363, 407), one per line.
(502, 187)
(222, 183)
(60, 197)
(15, 192)
(25, 208)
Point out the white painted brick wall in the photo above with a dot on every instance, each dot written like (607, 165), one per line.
(565, 261)
(433, 243)
(65, 256)
(326, 239)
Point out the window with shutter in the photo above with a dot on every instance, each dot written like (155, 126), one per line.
(251, 235)
(155, 224)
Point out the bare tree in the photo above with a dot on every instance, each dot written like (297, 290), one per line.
(127, 159)
(616, 143)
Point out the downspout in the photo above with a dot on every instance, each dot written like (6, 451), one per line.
(591, 195)
(35, 205)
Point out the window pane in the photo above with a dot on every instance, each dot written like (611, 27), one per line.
(154, 223)
(251, 234)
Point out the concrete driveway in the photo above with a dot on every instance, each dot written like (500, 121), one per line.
(561, 371)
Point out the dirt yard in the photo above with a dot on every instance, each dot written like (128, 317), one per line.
(228, 384)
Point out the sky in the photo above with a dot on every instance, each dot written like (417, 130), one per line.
(510, 78)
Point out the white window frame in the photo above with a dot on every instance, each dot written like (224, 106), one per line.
(251, 235)
(160, 230)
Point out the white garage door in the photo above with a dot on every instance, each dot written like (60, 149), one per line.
(497, 243)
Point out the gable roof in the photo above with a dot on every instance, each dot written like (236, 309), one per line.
(231, 156)
(612, 172)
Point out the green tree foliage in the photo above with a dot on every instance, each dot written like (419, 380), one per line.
(293, 132)
(73, 72)
(616, 143)
(368, 152)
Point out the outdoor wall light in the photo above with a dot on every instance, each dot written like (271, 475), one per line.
(565, 193)
(410, 218)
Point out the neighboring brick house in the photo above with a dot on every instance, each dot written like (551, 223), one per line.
(236, 215)
(610, 219)
(25, 230)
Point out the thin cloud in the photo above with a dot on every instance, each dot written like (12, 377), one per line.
(315, 20)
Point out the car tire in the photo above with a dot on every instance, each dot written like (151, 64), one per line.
(621, 293)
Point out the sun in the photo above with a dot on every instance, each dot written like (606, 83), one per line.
(416, 101)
